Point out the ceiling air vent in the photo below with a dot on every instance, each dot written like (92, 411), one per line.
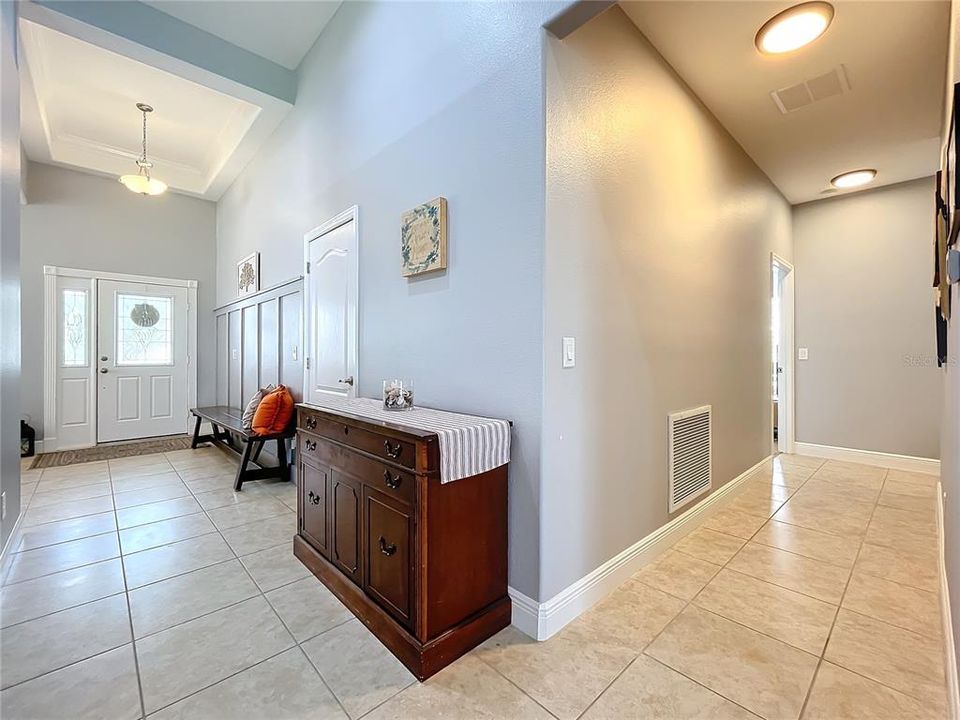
(690, 456)
(836, 82)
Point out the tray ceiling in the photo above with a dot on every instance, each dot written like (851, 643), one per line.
(79, 111)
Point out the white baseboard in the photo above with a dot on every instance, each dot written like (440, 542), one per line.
(13, 539)
(870, 457)
(525, 613)
(949, 648)
(542, 620)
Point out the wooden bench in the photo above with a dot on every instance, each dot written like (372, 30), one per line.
(227, 422)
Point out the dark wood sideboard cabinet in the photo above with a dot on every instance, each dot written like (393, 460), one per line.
(420, 563)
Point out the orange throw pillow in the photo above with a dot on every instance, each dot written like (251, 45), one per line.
(274, 412)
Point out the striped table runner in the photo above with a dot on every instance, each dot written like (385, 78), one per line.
(469, 445)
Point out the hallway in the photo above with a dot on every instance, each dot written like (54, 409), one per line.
(146, 585)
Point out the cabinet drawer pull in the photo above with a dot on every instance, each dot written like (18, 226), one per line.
(313, 497)
(392, 482)
(393, 452)
(311, 423)
(387, 550)
(310, 445)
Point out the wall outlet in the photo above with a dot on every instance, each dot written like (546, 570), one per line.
(803, 354)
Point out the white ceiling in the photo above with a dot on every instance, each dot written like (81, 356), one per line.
(278, 30)
(78, 110)
(894, 54)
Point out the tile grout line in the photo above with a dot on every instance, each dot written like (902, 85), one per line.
(235, 557)
(524, 692)
(820, 659)
(126, 596)
(234, 674)
(116, 530)
(126, 592)
(882, 684)
(862, 542)
(263, 594)
(298, 644)
(687, 604)
(691, 601)
(68, 665)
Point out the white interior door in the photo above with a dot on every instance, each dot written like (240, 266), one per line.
(331, 309)
(782, 317)
(142, 359)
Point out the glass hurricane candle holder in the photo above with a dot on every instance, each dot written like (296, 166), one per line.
(397, 394)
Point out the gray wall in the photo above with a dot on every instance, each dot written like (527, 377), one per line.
(398, 103)
(84, 221)
(950, 463)
(9, 268)
(659, 234)
(864, 309)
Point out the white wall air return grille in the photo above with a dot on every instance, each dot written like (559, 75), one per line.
(690, 455)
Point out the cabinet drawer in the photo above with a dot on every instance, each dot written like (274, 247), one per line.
(388, 479)
(313, 505)
(389, 555)
(382, 446)
(309, 447)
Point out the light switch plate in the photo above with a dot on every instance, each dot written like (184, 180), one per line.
(569, 352)
(803, 354)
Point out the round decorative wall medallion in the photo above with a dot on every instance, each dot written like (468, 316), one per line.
(145, 315)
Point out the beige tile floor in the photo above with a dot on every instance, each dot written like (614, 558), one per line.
(147, 587)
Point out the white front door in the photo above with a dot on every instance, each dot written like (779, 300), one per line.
(331, 309)
(142, 359)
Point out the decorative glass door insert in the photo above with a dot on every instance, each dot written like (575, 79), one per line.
(144, 330)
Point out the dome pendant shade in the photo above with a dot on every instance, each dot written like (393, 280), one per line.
(142, 183)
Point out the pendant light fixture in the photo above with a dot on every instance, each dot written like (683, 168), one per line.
(142, 182)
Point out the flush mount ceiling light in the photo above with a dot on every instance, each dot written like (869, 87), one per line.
(142, 182)
(854, 178)
(794, 27)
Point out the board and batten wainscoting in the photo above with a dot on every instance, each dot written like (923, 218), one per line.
(260, 342)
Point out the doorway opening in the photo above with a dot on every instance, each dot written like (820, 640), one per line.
(119, 357)
(781, 358)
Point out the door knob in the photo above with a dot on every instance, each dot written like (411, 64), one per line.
(346, 381)
(103, 358)
(103, 371)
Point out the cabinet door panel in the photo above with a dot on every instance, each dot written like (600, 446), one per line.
(313, 506)
(389, 531)
(345, 498)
